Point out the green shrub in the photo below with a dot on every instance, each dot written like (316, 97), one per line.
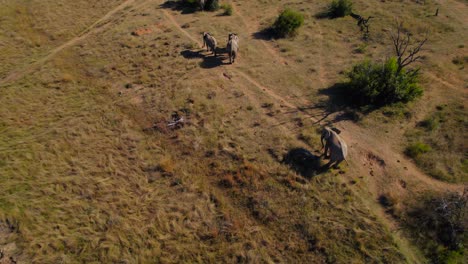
(190, 3)
(227, 9)
(376, 85)
(211, 5)
(287, 23)
(416, 149)
(340, 8)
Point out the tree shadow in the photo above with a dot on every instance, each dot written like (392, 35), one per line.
(339, 102)
(304, 162)
(209, 60)
(184, 8)
(323, 15)
(264, 34)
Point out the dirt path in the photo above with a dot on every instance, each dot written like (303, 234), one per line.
(253, 28)
(95, 27)
(442, 81)
(174, 22)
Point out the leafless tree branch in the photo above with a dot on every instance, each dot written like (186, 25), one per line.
(402, 44)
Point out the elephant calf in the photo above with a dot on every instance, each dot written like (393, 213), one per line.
(232, 46)
(335, 144)
(210, 42)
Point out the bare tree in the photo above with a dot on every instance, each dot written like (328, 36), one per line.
(405, 49)
(363, 24)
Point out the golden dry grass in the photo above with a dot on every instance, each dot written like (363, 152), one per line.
(85, 177)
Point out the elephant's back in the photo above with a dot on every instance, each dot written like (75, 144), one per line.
(211, 40)
(344, 148)
(340, 149)
(233, 45)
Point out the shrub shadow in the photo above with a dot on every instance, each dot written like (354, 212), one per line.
(184, 8)
(323, 15)
(304, 162)
(340, 100)
(209, 60)
(264, 34)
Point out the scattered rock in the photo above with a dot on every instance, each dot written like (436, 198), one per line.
(227, 75)
(379, 160)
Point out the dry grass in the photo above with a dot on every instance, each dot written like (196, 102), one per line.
(88, 179)
(29, 29)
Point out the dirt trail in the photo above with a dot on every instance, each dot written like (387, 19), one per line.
(253, 28)
(444, 82)
(174, 22)
(95, 27)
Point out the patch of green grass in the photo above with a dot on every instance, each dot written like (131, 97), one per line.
(417, 149)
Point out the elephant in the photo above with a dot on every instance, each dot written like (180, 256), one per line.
(202, 4)
(336, 145)
(232, 47)
(210, 42)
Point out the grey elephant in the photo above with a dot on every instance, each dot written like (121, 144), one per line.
(335, 145)
(210, 42)
(232, 47)
(202, 4)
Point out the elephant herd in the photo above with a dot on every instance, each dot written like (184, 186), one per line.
(232, 45)
(334, 148)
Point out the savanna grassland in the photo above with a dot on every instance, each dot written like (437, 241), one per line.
(91, 173)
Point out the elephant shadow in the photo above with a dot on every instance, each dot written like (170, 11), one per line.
(304, 162)
(209, 60)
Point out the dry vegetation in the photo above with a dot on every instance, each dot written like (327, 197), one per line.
(91, 173)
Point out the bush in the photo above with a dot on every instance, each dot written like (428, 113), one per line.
(376, 85)
(190, 3)
(340, 8)
(287, 23)
(227, 9)
(193, 5)
(416, 149)
(211, 5)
